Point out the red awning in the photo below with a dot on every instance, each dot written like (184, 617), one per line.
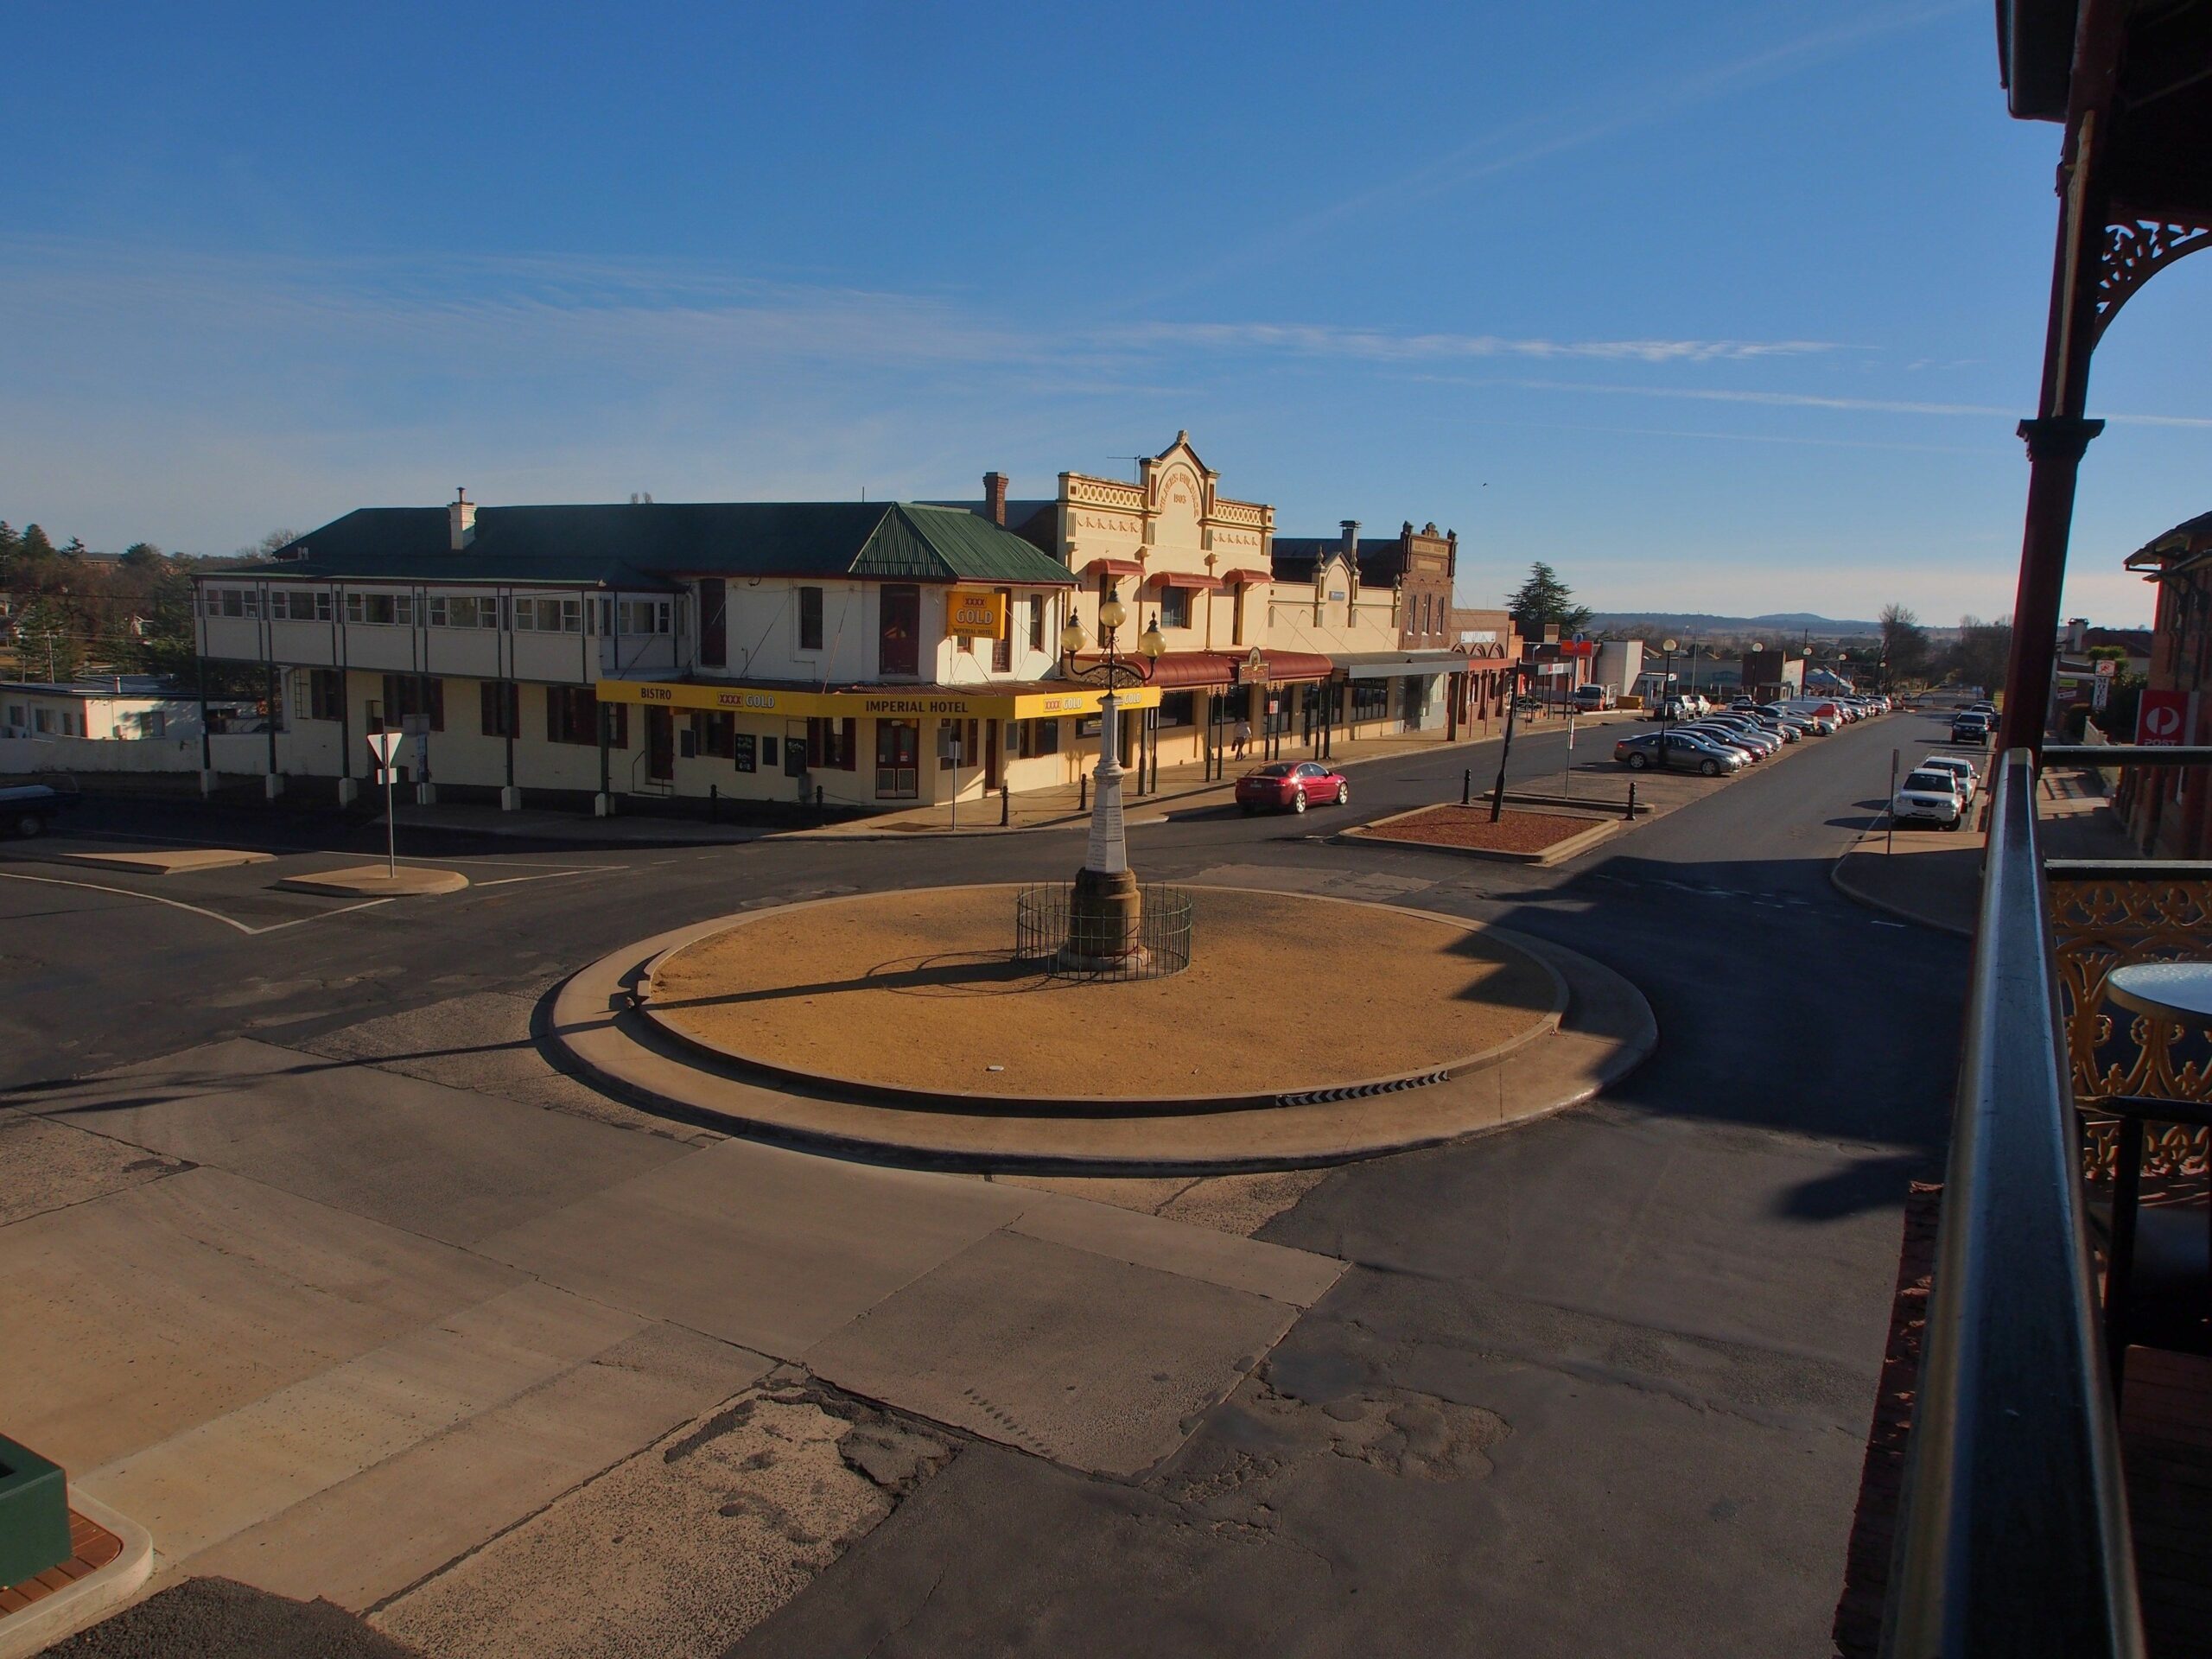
(1113, 567)
(1179, 669)
(1245, 578)
(1183, 579)
(1284, 666)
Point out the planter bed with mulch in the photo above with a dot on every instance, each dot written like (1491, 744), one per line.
(1524, 837)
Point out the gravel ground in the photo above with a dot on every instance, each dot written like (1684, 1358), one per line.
(919, 988)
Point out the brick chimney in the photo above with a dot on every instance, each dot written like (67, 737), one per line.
(461, 520)
(1350, 527)
(995, 497)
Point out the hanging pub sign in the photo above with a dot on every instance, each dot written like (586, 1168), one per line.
(976, 613)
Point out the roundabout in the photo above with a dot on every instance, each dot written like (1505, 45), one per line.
(904, 1027)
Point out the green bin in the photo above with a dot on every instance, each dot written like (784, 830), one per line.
(33, 1514)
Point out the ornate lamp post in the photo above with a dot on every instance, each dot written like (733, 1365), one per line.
(1669, 701)
(1104, 912)
(1758, 647)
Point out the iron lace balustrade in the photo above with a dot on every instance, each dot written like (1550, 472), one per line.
(2013, 1538)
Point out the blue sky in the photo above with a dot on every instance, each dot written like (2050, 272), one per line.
(1716, 307)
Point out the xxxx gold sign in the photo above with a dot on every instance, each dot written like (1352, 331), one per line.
(976, 613)
(876, 703)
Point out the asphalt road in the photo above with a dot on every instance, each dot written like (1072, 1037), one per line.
(1610, 1375)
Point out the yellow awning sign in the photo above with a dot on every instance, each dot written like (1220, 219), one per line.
(917, 702)
(976, 613)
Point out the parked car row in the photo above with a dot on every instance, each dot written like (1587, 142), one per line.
(1939, 790)
(1742, 735)
(1973, 724)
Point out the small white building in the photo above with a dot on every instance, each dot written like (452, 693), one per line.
(119, 707)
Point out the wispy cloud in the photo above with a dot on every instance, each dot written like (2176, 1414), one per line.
(1324, 340)
(1820, 400)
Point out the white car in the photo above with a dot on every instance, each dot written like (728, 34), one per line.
(1929, 796)
(1960, 767)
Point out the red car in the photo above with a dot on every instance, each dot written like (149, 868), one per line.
(1295, 784)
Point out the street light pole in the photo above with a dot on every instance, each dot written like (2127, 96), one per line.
(1668, 700)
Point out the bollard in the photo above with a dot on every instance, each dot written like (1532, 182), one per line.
(1631, 814)
(1466, 785)
(1006, 804)
(817, 794)
(1082, 791)
(713, 801)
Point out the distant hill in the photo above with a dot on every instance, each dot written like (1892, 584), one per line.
(1697, 622)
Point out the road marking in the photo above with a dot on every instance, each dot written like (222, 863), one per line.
(197, 910)
(549, 875)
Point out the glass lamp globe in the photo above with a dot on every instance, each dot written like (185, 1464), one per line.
(1670, 646)
(1071, 638)
(1150, 642)
(1113, 613)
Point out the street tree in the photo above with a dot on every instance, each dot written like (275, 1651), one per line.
(1984, 651)
(1904, 642)
(1544, 600)
(46, 641)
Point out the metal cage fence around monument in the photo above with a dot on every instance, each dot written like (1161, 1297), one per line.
(1042, 919)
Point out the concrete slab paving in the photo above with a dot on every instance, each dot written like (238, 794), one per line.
(49, 1165)
(1093, 1362)
(1298, 1278)
(434, 1160)
(369, 1538)
(767, 1248)
(136, 1315)
(200, 1486)
(483, 1042)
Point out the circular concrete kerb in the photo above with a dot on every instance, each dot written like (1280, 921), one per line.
(897, 1026)
(916, 997)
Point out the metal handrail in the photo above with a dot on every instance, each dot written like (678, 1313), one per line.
(2127, 754)
(2013, 1536)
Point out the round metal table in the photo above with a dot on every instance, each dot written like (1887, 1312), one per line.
(2171, 990)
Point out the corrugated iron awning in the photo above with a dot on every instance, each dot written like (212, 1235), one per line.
(1185, 579)
(1103, 566)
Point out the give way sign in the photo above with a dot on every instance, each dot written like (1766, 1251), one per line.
(2160, 717)
(382, 746)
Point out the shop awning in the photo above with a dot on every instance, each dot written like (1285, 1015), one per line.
(998, 700)
(1185, 579)
(1113, 567)
(1181, 669)
(1242, 578)
(1394, 665)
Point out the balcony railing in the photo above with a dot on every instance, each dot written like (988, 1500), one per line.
(2014, 1533)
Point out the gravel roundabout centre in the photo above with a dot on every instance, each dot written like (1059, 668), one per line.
(920, 990)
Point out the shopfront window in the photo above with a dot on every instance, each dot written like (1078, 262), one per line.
(1371, 699)
(1177, 709)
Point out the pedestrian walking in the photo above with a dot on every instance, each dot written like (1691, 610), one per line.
(1243, 735)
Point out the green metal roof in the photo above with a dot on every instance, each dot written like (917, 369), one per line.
(644, 546)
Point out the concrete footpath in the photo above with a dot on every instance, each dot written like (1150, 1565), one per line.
(1933, 877)
(1179, 790)
(339, 1331)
